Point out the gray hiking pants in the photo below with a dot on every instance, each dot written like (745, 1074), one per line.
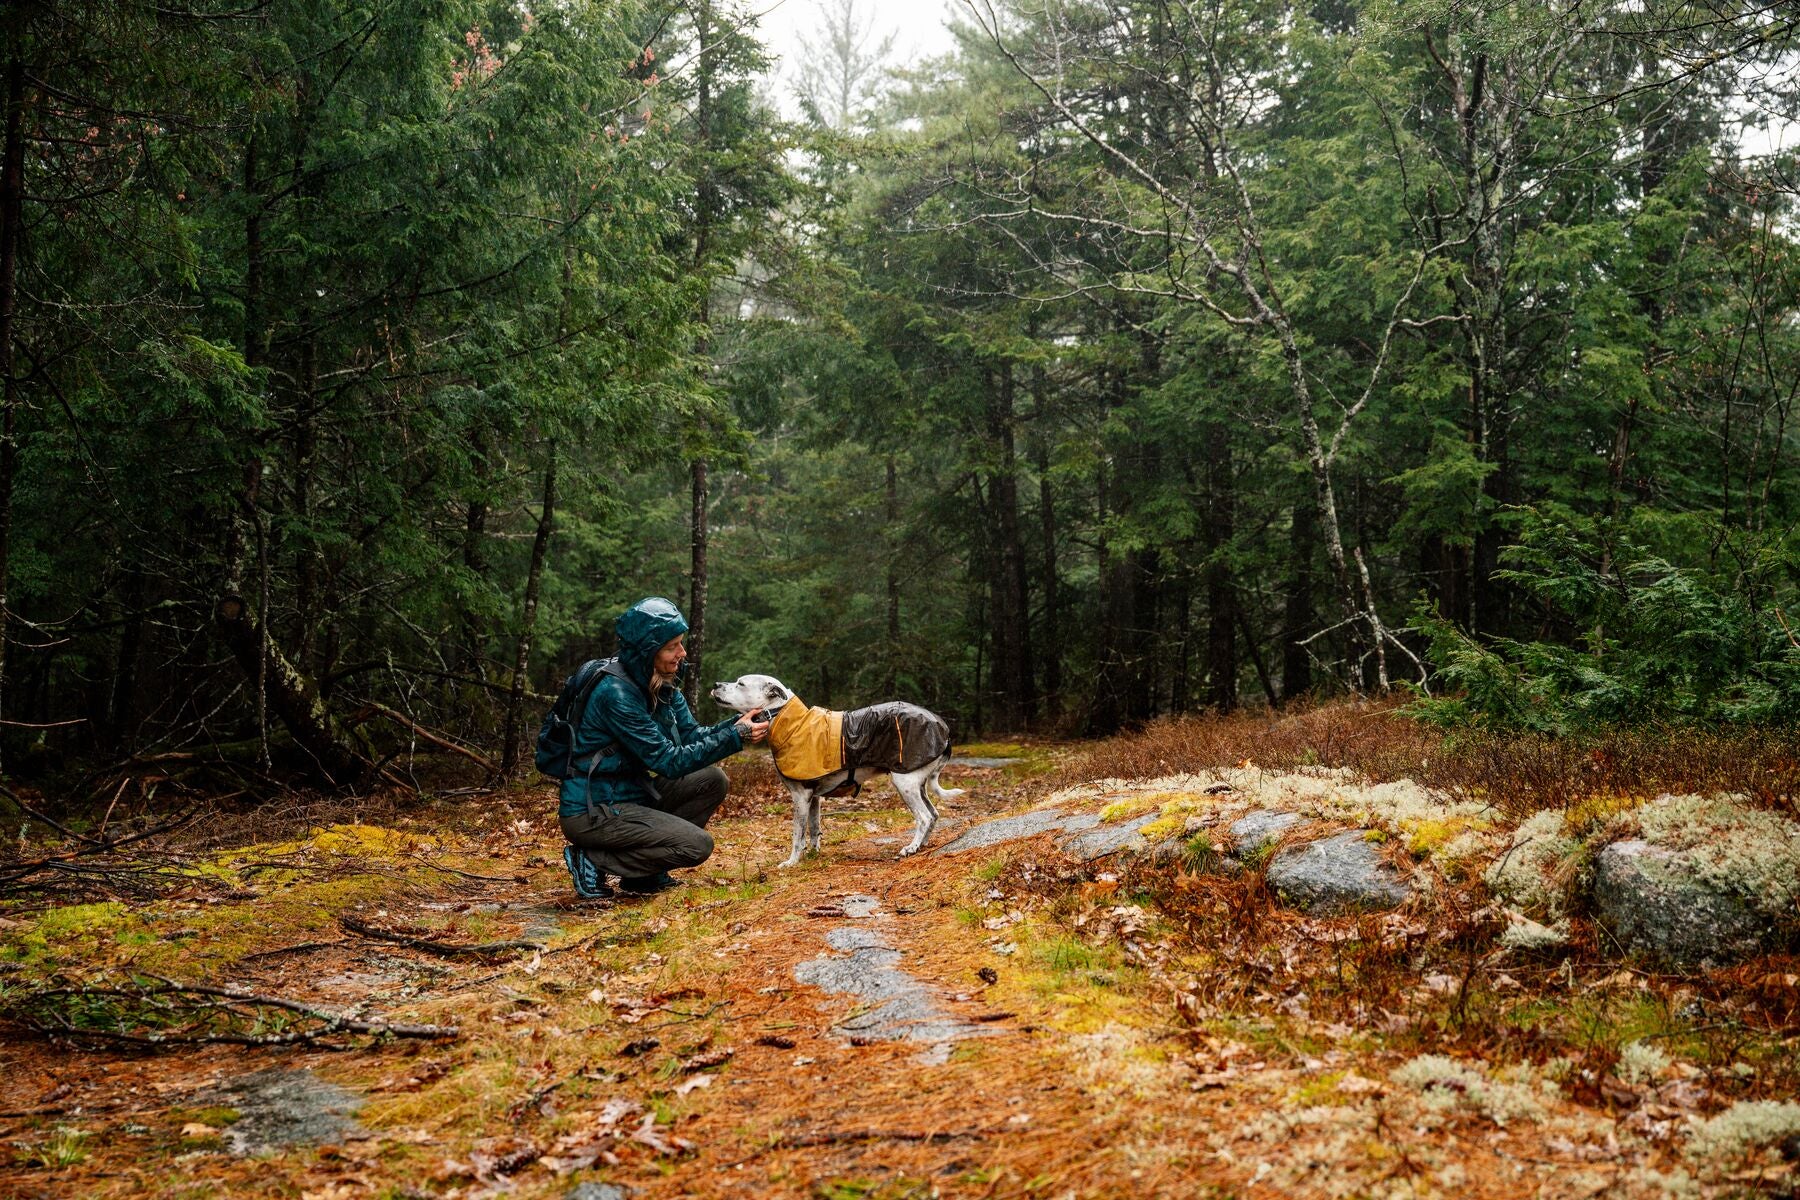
(637, 840)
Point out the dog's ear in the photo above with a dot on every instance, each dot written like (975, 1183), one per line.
(774, 691)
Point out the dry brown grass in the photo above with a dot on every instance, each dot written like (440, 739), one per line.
(1519, 772)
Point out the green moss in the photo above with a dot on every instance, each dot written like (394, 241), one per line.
(72, 934)
(994, 750)
(218, 1116)
(1319, 1090)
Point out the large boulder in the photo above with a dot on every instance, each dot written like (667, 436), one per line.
(1344, 873)
(1659, 903)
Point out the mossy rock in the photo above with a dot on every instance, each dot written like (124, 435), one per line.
(1658, 904)
(1344, 873)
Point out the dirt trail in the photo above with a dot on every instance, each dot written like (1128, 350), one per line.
(946, 1025)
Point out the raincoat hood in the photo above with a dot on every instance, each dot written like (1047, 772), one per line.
(643, 629)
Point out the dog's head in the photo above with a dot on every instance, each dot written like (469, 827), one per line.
(751, 692)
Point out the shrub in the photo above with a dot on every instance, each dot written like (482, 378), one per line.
(1644, 641)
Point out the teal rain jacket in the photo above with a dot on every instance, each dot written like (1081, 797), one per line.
(640, 734)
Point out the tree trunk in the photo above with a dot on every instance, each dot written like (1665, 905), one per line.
(12, 209)
(1221, 599)
(253, 339)
(474, 557)
(704, 211)
(890, 677)
(1299, 616)
(1142, 585)
(1012, 672)
(1050, 643)
(333, 758)
(1104, 711)
(534, 578)
(306, 554)
(696, 615)
(1181, 664)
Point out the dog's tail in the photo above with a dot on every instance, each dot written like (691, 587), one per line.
(943, 793)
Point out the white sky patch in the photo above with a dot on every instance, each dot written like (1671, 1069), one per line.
(921, 29)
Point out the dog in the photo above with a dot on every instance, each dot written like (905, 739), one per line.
(819, 751)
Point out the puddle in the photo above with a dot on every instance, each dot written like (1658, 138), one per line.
(901, 1009)
(284, 1107)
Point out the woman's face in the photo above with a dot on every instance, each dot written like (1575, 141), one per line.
(668, 660)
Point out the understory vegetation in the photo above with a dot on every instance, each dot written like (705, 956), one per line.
(1173, 1005)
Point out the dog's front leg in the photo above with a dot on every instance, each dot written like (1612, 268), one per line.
(804, 804)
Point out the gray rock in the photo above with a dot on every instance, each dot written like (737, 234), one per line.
(282, 1107)
(1256, 831)
(1337, 874)
(1107, 839)
(958, 760)
(860, 907)
(1655, 902)
(596, 1191)
(1023, 825)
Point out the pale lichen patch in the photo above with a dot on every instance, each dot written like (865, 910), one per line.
(1448, 1084)
(1744, 1127)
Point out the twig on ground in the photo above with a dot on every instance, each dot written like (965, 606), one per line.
(836, 1137)
(298, 948)
(441, 949)
(438, 866)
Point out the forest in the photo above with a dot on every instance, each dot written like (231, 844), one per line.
(362, 361)
(1330, 469)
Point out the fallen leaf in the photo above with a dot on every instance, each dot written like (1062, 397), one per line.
(693, 1083)
(197, 1129)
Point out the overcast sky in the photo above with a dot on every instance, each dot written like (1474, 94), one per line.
(919, 26)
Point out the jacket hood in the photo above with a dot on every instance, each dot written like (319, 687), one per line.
(643, 629)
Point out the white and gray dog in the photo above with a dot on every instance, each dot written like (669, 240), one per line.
(817, 751)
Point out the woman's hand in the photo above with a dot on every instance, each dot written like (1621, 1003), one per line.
(751, 729)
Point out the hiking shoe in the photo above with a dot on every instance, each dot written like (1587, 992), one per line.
(590, 884)
(649, 885)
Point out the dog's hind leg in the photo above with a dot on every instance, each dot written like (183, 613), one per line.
(814, 821)
(911, 786)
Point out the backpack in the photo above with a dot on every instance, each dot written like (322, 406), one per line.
(556, 736)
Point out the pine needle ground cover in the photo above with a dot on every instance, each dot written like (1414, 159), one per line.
(1133, 1024)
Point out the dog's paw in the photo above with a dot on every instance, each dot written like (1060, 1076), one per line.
(789, 862)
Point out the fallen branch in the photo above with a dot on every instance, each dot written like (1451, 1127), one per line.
(439, 740)
(16, 876)
(170, 1013)
(441, 949)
